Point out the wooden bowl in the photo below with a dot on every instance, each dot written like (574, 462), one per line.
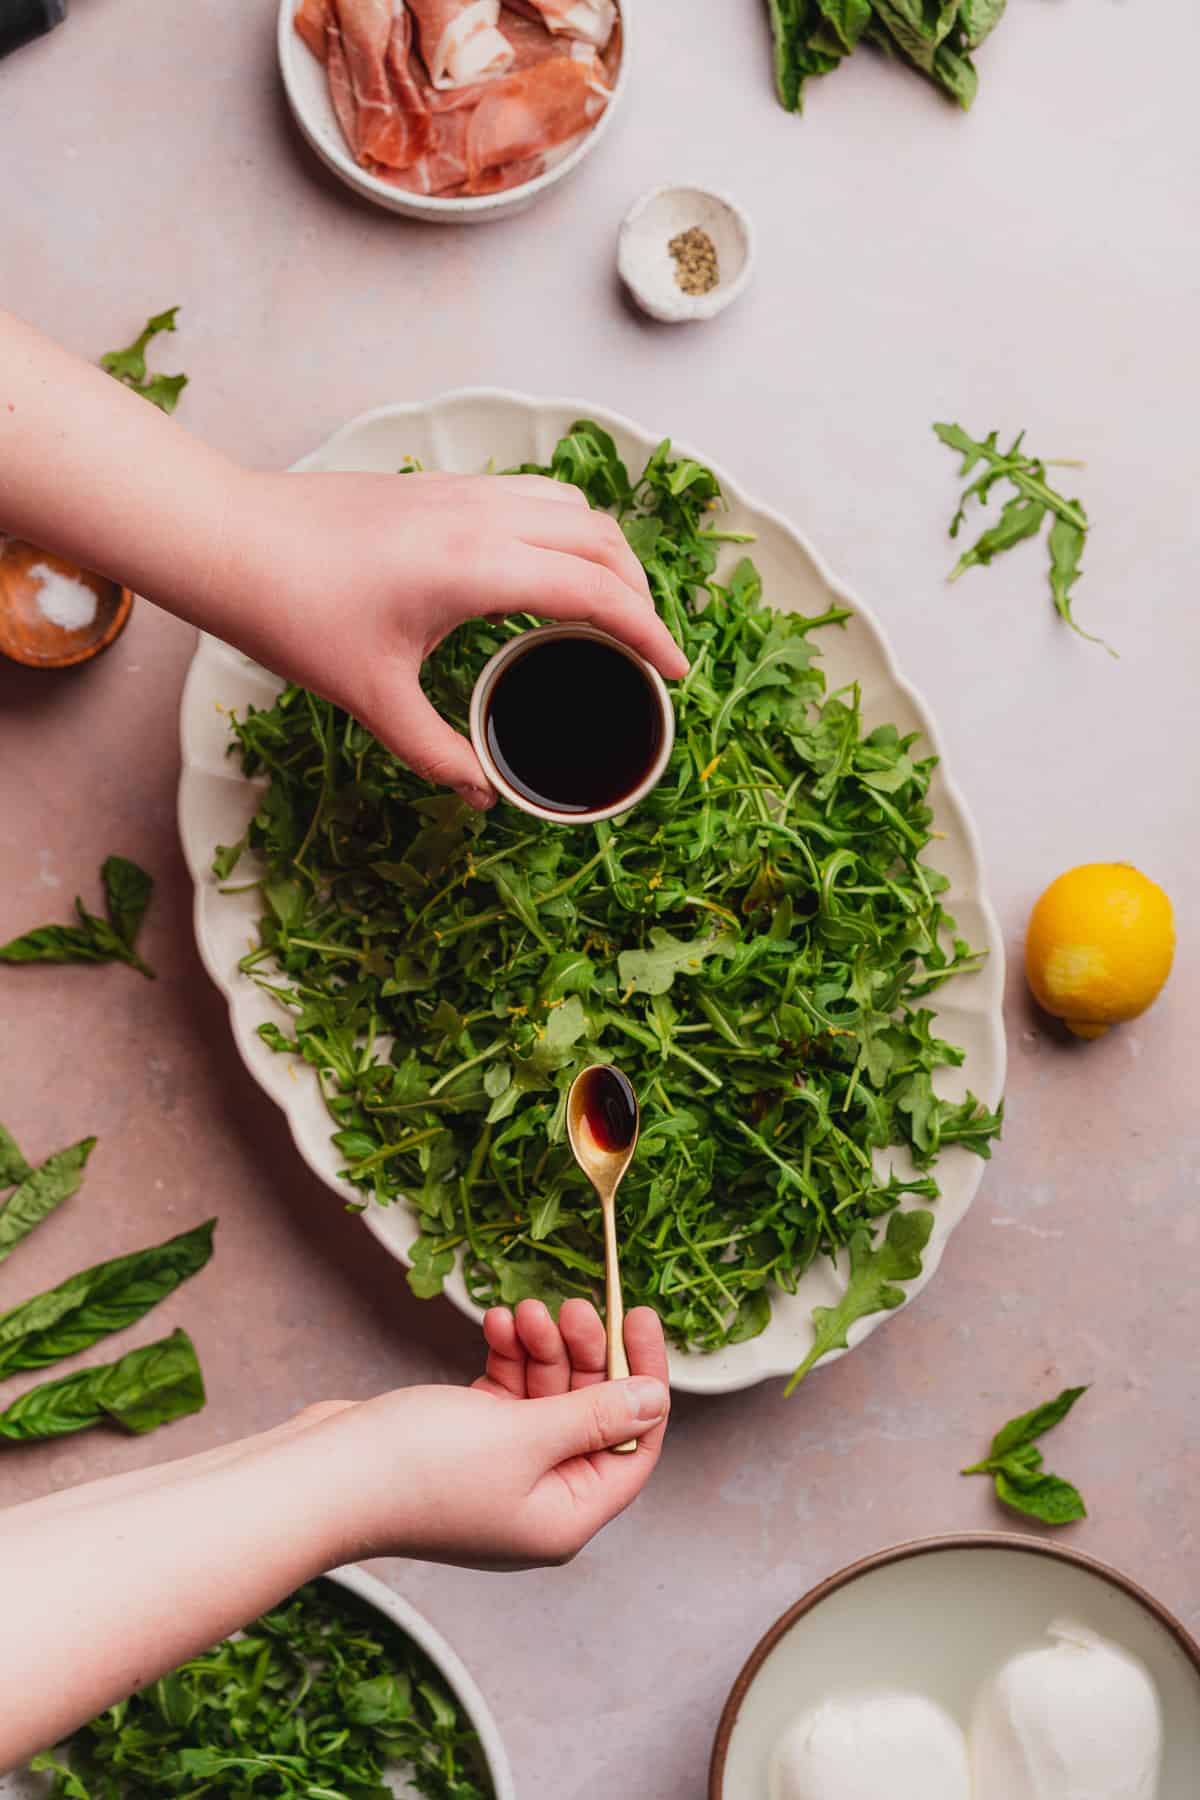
(29, 630)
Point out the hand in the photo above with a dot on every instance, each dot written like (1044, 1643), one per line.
(350, 581)
(514, 1471)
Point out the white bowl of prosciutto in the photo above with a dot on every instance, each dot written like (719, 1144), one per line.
(452, 109)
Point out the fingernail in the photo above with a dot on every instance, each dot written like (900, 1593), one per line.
(646, 1399)
(479, 798)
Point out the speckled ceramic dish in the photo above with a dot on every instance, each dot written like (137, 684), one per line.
(467, 431)
(648, 269)
(938, 1618)
(369, 1589)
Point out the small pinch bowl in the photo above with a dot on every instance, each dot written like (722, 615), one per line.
(647, 268)
(308, 97)
(938, 1617)
(28, 637)
(481, 693)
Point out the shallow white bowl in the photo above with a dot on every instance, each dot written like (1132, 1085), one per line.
(938, 1618)
(22, 1786)
(308, 96)
(464, 431)
(646, 265)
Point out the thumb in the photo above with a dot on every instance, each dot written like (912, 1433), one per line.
(594, 1418)
(414, 730)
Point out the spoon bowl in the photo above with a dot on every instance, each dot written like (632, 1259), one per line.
(602, 1127)
(54, 615)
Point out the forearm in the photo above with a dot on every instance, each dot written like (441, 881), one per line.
(136, 1575)
(92, 471)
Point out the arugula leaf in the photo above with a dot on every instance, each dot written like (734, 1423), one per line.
(129, 365)
(874, 1271)
(95, 1302)
(127, 891)
(753, 945)
(127, 894)
(148, 1387)
(13, 1167)
(1017, 1466)
(1021, 516)
(58, 1178)
(320, 1699)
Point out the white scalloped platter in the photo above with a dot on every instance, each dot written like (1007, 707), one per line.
(466, 431)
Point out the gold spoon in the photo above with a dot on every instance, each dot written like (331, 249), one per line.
(602, 1125)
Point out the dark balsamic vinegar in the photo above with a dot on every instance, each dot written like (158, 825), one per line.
(573, 725)
(609, 1107)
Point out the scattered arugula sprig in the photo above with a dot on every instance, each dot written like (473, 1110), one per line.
(935, 37)
(37, 1191)
(321, 1697)
(127, 891)
(128, 366)
(754, 944)
(1017, 1467)
(1022, 516)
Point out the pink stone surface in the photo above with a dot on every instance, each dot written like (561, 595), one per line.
(1032, 265)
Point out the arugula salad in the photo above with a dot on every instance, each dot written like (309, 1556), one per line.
(757, 946)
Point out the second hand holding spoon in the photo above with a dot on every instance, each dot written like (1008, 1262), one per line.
(602, 1126)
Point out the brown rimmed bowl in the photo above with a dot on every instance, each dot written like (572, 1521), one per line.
(938, 1617)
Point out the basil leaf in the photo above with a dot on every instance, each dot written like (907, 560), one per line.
(13, 1167)
(1035, 1424)
(129, 365)
(98, 1301)
(1016, 1466)
(127, 891)
(145, 1389)
(1044, 1497)
(41, 1191)
(56, 944)
(874, 1271)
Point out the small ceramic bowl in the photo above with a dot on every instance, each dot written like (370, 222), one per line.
(495, 667)
(44, 618)
(308, 96)
(938, 1618)
(648, 269)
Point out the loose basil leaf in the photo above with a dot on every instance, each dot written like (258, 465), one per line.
(1017, 1469)
(95, 1302)
(874, 1271)
(935, 37)
(129, 365)
(127, 891)
(320, 1699)
(148, 1387)
(13, 1167)
(41, 1191)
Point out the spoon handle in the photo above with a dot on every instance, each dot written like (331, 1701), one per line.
(614, 1308)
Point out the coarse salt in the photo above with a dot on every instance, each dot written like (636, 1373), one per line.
(63, 599)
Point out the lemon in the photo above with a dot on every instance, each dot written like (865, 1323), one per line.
(1099, 946)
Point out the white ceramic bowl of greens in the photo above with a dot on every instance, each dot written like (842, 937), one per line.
(467, 431)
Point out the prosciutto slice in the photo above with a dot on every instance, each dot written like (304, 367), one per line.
(461, 41)
(313, 21)
(527, 114)
(590, 21)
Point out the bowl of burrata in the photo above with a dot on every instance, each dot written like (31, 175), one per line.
(986, 1666)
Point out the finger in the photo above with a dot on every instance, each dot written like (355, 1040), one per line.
(506, 1356)
(414, 730)
(586, 1344)
(549, 1368)
(542, 487)
(595, 536)
(646, 1348)
(560, 586)
(594, 1418)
